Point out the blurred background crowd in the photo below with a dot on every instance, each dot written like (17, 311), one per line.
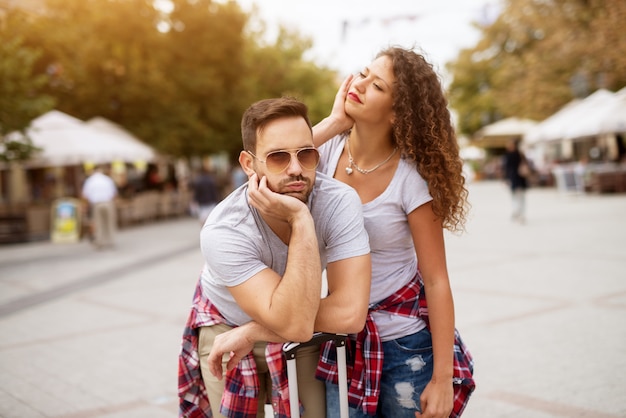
(156, 89)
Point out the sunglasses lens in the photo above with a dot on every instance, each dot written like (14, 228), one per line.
(308, 158)
(278, 161)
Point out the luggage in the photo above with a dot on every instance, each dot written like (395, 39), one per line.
(290, 350)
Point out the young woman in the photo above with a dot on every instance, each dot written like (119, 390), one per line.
(390, 137)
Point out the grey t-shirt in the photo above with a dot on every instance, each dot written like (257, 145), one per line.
(237, 244)
(394, 261)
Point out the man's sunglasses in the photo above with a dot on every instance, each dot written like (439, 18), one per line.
(277, 161)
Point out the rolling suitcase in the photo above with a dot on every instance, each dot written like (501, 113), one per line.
(290, 350)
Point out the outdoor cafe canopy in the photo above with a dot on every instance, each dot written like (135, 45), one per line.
(593, 115)
(498, 134)
(65, 140)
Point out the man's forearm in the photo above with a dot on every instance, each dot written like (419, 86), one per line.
(301, 285)
(291, 301)
(256, 332)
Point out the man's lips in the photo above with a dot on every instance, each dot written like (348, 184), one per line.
(354, 96)
(296, 186)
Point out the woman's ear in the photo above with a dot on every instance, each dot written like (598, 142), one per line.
(246, 162)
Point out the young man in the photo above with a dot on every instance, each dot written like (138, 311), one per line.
(265, 247)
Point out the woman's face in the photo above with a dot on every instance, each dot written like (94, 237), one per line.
(370, 95)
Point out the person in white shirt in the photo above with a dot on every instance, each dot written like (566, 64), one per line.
(100, 191)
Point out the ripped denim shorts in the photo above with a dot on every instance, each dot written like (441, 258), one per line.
(407, 369)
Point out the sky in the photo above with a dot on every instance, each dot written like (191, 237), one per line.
(348, 33)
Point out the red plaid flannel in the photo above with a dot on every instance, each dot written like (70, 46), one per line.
(368, 354)
(240, 398)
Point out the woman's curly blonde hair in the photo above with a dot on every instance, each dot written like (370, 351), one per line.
(423, 131)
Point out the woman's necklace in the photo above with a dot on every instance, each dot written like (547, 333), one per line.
(351, 162)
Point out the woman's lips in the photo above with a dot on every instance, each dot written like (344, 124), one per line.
(355, 97)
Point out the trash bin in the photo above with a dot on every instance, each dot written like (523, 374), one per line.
(65, 220)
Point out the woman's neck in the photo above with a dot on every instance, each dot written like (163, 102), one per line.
(368, 146)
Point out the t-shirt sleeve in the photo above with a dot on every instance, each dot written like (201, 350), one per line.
(328, 155)
(346, 235)
(230, 255)
(415, 183)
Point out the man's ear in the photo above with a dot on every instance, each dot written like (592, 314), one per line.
(246, 162)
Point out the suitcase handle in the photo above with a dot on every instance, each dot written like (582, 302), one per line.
(290, 350)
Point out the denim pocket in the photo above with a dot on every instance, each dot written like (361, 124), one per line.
(420, 342)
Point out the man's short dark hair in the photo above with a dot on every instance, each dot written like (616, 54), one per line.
(260, 113)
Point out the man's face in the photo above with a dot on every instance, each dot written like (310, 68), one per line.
(282, 138)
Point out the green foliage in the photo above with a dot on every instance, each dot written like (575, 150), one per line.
(20, 97)
(537, 56)
(279, 70)
(16, 150)
(181, 80)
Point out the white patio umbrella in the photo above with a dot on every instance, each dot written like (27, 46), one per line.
(500, 132)
(65, 140)
(605, 117)
(136, 149)
(555, 127)
(512, 126)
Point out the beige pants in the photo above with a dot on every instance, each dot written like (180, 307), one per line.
(312, 392)
(104, 223)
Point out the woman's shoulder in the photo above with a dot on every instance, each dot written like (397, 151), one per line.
(410, 185)
(407, 169)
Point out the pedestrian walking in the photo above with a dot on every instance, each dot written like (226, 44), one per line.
(205, 194)
(100, 192)
(517, 171)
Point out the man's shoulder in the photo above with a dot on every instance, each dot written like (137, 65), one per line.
(232, 211)
(328, 190)
(328, 184)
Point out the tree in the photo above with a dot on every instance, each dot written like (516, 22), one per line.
(180, 79)
(20, 97)
(205, 62)
(104, 57)
(537, 56)
(279, 69)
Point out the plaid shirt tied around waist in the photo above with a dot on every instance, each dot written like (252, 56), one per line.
(368, 355)
(241, 390)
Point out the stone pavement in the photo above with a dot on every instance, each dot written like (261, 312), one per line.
(96, 334)
(542, 306)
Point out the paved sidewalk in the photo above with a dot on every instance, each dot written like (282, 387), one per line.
(96, 334)
(101, 331)
(542, 305)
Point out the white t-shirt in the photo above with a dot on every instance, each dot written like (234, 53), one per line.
(99, 188)
(237, 244)
(394, 261)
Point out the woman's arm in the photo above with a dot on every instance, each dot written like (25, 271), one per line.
(426, 228)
